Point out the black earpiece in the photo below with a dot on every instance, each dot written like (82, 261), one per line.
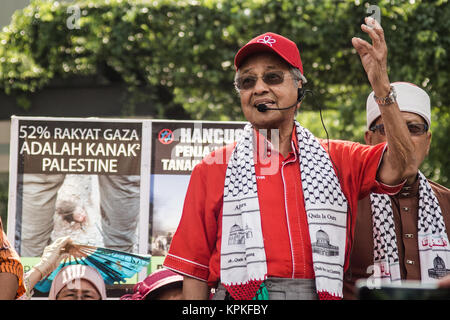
(300, 94)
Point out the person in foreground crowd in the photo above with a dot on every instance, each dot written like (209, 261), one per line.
(11, 270)
(162, 284)
(73, 282)
(402, 236)
(78, 282)
(272, 215)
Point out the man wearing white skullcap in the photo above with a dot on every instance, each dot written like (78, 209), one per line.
(271, 216)
(404, 236)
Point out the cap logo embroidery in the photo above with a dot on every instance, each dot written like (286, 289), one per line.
(267, 40)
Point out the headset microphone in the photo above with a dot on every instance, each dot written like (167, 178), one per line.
(263, 108)
(301, 92)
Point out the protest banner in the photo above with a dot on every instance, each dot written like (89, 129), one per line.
(78, 177)
(111, 183)
(177, 146)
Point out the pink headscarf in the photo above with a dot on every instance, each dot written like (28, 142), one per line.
(77, 271)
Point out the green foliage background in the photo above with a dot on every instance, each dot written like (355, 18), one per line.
(178, 55)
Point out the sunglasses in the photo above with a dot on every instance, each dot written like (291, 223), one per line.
(249, 81)
(415, 129)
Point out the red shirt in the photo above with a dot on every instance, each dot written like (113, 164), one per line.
(195, 248)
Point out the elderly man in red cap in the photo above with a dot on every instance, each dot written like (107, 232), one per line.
(402, 236)
(272, 215)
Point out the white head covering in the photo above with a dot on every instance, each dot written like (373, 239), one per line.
(410, 98)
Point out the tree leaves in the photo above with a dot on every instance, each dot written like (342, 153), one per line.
(179, 55)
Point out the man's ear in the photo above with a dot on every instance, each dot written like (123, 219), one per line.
(368, 137)
(428, 142)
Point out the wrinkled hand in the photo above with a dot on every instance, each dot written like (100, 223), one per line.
(53, 255)
(374, 57)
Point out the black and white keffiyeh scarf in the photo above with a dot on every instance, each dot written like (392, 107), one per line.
(434, 248)
(243, 258)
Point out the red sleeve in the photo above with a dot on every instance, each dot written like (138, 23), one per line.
(188, 253)
(199, 229)
(357, 167)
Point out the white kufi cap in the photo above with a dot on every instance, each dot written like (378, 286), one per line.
(410, 98)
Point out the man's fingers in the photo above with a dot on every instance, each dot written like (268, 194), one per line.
(376, 27)
(361, 46)
(372, 34)
(373, 23)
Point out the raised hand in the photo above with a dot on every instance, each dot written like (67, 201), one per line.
(52, 256)
(374, 56)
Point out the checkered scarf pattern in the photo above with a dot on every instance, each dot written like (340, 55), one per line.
(243, 260)
(434, 249)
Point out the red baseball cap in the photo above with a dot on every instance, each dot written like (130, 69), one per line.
(271, 42)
